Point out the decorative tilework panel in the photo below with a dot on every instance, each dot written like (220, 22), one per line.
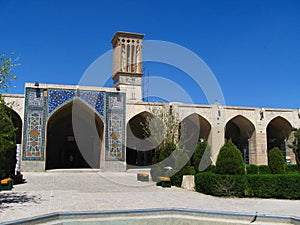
(115, 102)
(94, 99)
(58, 97)
(35, 97)
(115, 136)
(34, 135)
(115, 123)
(34, 124)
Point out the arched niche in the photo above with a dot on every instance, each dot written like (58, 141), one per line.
(68, 149)
(197, 125)
(279, 132)
(241, 131)
(18, 124)
(139, 152)
(192, 129)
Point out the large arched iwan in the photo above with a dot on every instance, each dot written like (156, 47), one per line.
(63, 149)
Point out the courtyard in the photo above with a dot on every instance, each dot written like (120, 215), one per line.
(91, 190)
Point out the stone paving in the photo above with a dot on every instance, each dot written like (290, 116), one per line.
(95, 191)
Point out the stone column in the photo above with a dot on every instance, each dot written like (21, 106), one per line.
(216, 138)
(260, 155)
(261, 149)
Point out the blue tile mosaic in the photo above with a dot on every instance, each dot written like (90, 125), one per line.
(115, 127)
(56, 98)
(34, 124)
(94, 99)
(59, 97)
(109, 105)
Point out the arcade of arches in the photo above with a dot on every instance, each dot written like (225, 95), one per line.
(239, 129)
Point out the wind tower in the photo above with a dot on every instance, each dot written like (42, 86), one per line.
(127, 64)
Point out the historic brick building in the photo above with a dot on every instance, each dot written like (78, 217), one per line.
(45, 115)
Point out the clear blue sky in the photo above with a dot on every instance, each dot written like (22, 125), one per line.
(253, 47)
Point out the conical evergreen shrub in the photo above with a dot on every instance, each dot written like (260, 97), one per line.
(230, 160)
(276, 161)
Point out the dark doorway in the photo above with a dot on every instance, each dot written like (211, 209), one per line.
(63, 150)
(278, 132)
(137, 152)
(241, 131)
(15, 154)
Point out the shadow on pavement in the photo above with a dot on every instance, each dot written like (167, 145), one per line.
(16, 198)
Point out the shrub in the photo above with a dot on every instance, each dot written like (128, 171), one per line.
(211, 168)
(230, 160)
(177, 178)
(181, 159)
(264, 169)
(221, 185)
(292, 168)
(252, 169)
(276, 161)
(202, 154)
(7, 141)
(161, 154)
(282, 186)
(166, 150)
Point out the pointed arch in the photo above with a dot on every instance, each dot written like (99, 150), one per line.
(135, 141)
(18, 124)
(198, 126)
(279, 132)
(64, 149)
(241, 131)
(15, 152)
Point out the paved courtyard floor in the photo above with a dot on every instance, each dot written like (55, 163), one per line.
(95, 191)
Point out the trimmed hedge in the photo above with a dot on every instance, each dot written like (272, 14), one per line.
(221, 185)
(252, 169)
(275, 186)
(292, 168)
(264, 169)
(282, 186)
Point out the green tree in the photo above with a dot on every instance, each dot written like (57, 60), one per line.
(276, 161)
(7, 129)
(162, 130)
(296, 146)
(161, 126)
(230, 160)
(7, 63)
(7, 141)
(201, 158)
